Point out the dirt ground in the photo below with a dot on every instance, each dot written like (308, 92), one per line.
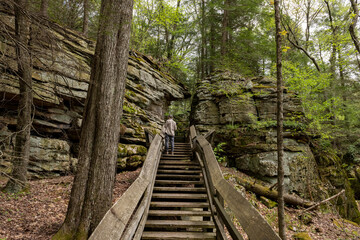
(39, 213)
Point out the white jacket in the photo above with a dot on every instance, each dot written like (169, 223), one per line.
(169, 127)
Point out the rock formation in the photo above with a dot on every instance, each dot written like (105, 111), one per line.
(61, 71)
(242, 111)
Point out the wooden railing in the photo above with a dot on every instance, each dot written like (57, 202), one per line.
(126, 218)
(220, 191)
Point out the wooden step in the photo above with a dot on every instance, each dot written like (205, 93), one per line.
(178, 224)
(184, 171)
(177, 182)
(174, 157)
(177, 162)
(176, 176)
(179, 196)
(178, 235)
(179, 189)
(162, 166)
(180, 204)
(170, 213)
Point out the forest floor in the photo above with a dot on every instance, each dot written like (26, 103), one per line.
(324, 225)
(39, 213)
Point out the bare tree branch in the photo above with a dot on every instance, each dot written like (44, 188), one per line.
(295, 43)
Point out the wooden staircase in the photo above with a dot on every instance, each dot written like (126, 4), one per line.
(179, 207)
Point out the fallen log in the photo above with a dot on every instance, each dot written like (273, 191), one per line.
(272, 194)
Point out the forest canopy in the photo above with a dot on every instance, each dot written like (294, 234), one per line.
(194, 38)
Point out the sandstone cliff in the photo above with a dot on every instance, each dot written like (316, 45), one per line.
(61, 71)
(242, 111)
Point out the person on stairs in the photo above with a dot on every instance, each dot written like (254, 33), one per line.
(169, 129)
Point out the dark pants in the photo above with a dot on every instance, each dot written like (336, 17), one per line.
(167, 138)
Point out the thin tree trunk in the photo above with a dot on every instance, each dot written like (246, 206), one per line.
(86, 18)
(225, 26)
(202, 47)
(44, 8)
(212, 40)
(332, 62)
(343, 88)
(353, 25)
(171, 45)
(307, 31)
(22, 142)
(280, 119)
(91, 194)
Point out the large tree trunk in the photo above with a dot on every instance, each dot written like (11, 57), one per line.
(22, 141)
(280, 119)
(86, 18)
(91, 194)
(44, 8)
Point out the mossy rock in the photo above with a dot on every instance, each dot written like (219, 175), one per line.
(121, 163)
(302, 236)
(355, 186)
(267, 202)
(135, 161)
(126, 150)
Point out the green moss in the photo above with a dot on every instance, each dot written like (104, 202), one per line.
(355, 186)
(263, 86)
(302, 236)
(128, 109)
(267, 202)
(129, 93)
(141, 150)
(122, 151)
(62, 235)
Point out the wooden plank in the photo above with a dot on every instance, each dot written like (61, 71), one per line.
(180, 195)
(177, 176)
(249, 218)
(228, 222)
(175, 162)
(180, 204)
(178, 182)
(169, 213)
(131, 228)
(210, 159)
(252, 222)
(162, 166)
(178, 235)
(192, 133)
(135, 225)
(184, 171)
(114, 222)
(179, 224)
(178, 189)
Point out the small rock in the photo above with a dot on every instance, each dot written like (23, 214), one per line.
(306, 218)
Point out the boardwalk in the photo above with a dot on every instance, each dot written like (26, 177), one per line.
(181, 196)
